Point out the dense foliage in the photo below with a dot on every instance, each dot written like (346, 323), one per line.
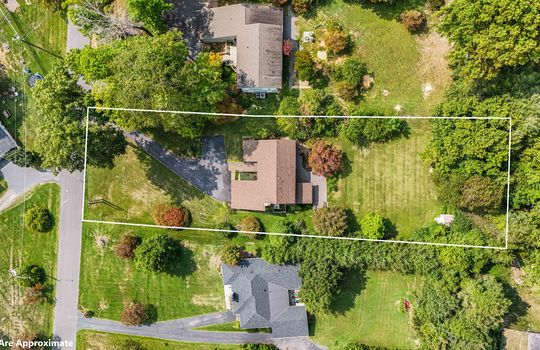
(22, 158)
(372, 226)
(304, 66)
(348, 77)
(157, 253)
(59, 117)
(32, 275)
(362, 131)
(413, 20)
(125, 248)
(491, 35)
(181, 85)
(231, 254)
(149, 12)
(170, 215)
(249, 224)
(134, 313)
(320, 283)
(330, 221)
(325, 159)
(38, 219)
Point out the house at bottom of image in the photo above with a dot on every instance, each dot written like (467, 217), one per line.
(263, 295)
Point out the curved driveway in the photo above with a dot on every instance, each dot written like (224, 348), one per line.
(180, 329)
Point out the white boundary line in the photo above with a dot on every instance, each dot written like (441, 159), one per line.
(290, 234)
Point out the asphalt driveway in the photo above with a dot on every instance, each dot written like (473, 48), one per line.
(210, 173)
(192, 18)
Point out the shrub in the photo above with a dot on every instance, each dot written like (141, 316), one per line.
(301, 6)
(32, 275)
(259, 347)
(38, 219)
(129, 344)
(35, 294)
(325, 159)
(312, 102)
(249, 223)
(330, 221)
(155, 254)
(225, 226)
(134, 313)
(231, 255)
(289, 105)
(305, 66)
(22, 158)
(372, 226)
(348, 77)
(413, 20)
(125, 249)
(481, 194)
(336, 40)
(287, 47)
(365, 130)
(435, 5)
(169, 215)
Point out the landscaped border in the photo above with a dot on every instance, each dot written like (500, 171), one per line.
(291, 234)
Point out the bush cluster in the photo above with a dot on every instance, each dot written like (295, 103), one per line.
(413, 20)
(125, 248)
(331, 221)
(134, 313)
(231, 254)
(38, 219)
(169, 215)
(157, 253)
(325, 159)
(250, 223)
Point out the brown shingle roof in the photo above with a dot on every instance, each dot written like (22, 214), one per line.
(275, 164)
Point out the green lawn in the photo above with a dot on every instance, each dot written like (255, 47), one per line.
(44, 33)
(136, 183)
(394, 56)
(390, 179)
(367, 311)
(106, 280)
(235, 131)
(91, 340)
(21, 247)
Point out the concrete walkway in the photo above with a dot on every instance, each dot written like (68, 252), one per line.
(75, 39)
(179, 329)
(20, 181)
(69, 255)
(210, 173)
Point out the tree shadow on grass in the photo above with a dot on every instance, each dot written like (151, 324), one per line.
(352, 221)
(518, 308)
(151, 314)
(183, 264)
(352, 283)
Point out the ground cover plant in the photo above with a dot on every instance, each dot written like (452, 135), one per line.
(24, 248)
(190, 286)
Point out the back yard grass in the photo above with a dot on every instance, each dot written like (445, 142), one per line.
(367, 311)
(92, 340)
(390, 179)
(106, 280)
(136, 183)
(400, 62)
(21, 247)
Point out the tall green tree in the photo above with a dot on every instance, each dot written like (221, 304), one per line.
(149, 12)
(146, 72)
(491, 35)
(59, 116)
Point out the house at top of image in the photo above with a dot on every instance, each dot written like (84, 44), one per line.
(263, 295)
(250, 38)
(272, 175)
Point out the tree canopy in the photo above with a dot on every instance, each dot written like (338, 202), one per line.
(491, 35)
(146, 72)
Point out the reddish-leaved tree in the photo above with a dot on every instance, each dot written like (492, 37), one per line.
(169, 215)
(325, 159)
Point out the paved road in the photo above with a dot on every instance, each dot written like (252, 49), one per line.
(69, 255)
(21, 180)
(209, 174)
(179, 329)
(75, 39)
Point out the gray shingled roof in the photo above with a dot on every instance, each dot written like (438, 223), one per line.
(261, 297)
(258, 32)
(6, 142)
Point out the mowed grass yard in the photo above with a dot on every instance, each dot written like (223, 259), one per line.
(106, 280)
(390, 179)
(367, 311)
(44, 32)
(136, 183)
(400, 62)
(21, 247)
(91, 340)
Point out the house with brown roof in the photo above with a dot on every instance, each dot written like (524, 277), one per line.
(272, 175)
(250, 37)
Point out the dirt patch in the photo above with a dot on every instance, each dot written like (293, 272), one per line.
(515, 340)
(433, 66)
